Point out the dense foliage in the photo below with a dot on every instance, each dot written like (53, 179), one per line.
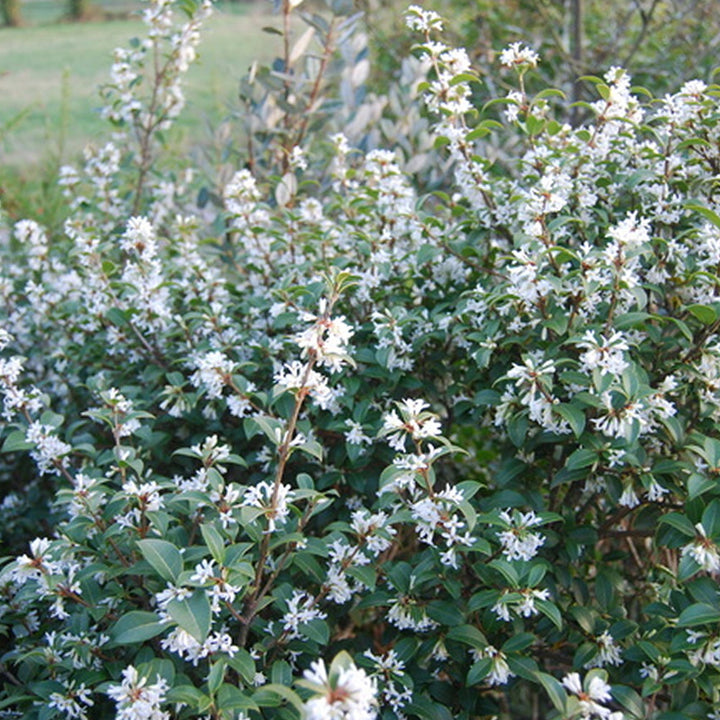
(321, 446)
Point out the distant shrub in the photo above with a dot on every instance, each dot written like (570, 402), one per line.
(324, 447)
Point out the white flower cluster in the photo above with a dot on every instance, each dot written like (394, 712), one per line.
(389, 674)
(518, 55)
(143, 497)
(374, 535)
(534, 380)
(213, 371)
(301, 609)
(15, 399)
(326, 340)
(136, 699)
(49, 452)
(272, 499)
(187, 647)
(436, 518)
(500, 671)
(406, 613)
(128, 73)
(704, 551)
(609, 653)
(74, 702)
(520, 602)
(414, 422)
(518, 541)
(144, 273)
(53, 573)
(350, 695)
(421, 20)
(591, 696)
(706, 650)
(219, 589)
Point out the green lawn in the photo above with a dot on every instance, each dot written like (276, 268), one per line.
(51, 72)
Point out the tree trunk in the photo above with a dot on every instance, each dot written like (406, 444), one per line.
(10, 11)
(80, 9)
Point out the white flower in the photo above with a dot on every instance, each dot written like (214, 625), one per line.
(703, 551)
(422, 20)
(326, 339)
(500, 671)
(301, 610)
(136, 700)
(628, 498)
(595, 692)
(347, 694)
(518, 542)
(414, 420)
(518, 55)
(274, 502)
(356, 435)
(72, 701)
(631, 232)
(605, 354)
(609, 652)
(213, 372)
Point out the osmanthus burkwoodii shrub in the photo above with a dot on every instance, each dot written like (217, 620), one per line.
(340, 452)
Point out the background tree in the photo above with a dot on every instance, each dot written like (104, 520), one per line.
(80, 9)
(10, 11)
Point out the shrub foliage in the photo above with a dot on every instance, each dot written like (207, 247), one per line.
(322, 446)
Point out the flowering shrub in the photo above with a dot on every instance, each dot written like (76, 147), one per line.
(325, 448)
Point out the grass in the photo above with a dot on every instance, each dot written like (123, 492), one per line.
(49, 75)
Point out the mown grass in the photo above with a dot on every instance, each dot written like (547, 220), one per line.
(50, 73)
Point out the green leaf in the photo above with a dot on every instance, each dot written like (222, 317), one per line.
(274, 429)
(192, 614)
(704, 313)
(469, 635)
(316, 630)
(273, 695)
(16, 442)
(507, 570)
(136, 626)
(585, 618)
(698, 614)
(215, 542)
(550, 611)
(426, 709)
(190, 696)
(163, 556)
(698, 485)
(711, 518)
(216, 676)
(312, 448)
(629, 699)
(366, 574)
(232, 698)
(555, 691)
(243, 663)
(707, 213)
(574, 416)
(446, 613)
(479, 671)
(582, 458)
(679, 522)
(518, 642)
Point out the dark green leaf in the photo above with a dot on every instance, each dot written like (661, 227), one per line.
(163, 556)
(192, 614)
(136, 626)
